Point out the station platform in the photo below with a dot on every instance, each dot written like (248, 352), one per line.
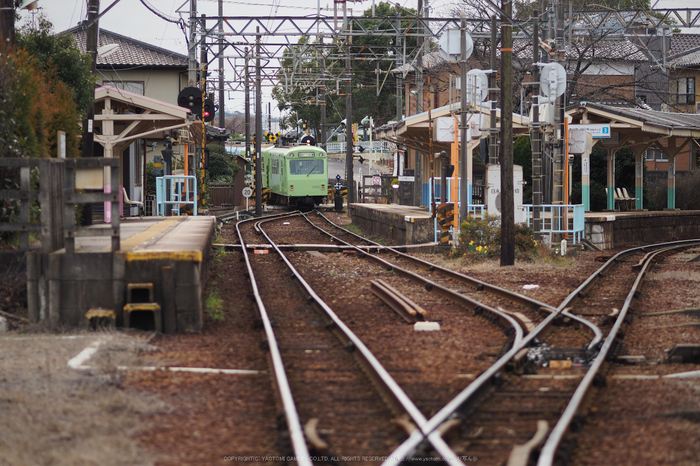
(399, 224)
(154, 281)
(606, 230)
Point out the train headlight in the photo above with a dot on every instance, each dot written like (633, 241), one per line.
(291, 187)
(323, 186)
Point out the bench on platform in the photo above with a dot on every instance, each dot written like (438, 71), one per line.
(131, 203)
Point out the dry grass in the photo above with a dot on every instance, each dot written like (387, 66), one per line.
(55, 415)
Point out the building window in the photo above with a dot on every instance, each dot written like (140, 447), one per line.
(686, 91)
(656, 155)
(137, 87)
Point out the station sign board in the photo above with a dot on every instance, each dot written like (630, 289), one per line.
(597, 131)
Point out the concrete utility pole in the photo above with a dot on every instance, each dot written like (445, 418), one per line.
(93, 12)
(258, 126)
(222, 107)
(7, 21)
(348, 114)
(464, 174)
(322, 103)
(192, 51)
(506, 153)
(247, 106)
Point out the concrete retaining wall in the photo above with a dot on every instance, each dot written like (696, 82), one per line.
(629, 229)
(396, 226)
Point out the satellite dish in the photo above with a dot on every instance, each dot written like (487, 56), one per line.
(451, 47)
(553, 80)
(477, 86)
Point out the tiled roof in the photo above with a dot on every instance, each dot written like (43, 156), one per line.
(669, 120)
(615, 50)
(685, 50)
(603, 50)
(131, 52)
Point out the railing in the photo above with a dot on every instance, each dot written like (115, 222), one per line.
(176, 191)
(341, 147)
(560, 218)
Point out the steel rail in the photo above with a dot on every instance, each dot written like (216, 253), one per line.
(478, 284)
(505, 318)
(394, 388)
(555, 437)
(296, 432)
(448, 410)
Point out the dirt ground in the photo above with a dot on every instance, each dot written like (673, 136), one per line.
(102, 414)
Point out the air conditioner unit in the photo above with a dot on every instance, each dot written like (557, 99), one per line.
(664, 107)
(697, 107)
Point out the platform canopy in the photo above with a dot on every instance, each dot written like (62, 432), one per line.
(638, 129)
(122, 117)
(413, 131)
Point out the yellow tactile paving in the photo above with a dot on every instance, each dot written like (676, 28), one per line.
(140, 238)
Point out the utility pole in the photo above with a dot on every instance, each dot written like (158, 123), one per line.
(258, 126)
(506, 153)
(247, 105)
(464, 174)
(93, 12)
(192, 51)
(322, 103)
(222, 107)
(348, 112)
(7, 21)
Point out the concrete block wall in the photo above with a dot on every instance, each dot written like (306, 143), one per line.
(615, 231)
(392, 225)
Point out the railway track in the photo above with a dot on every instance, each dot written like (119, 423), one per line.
(302, 404)
(526, 396)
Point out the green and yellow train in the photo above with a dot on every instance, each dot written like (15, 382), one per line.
(296, 176)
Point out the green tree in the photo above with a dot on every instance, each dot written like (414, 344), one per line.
(222, 166)
(60, 53)
(522, 155)
(306, 65)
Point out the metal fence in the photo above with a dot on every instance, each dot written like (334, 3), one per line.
(341, 147)
(221, 195)
(560, 218)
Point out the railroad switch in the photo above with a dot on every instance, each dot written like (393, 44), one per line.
(562, 358)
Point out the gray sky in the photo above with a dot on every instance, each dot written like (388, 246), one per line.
(131, 18)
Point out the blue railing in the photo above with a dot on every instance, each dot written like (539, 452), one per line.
(560, 218)
(176, 190)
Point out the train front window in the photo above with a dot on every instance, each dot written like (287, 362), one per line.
(305, 167)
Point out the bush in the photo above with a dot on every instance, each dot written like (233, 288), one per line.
(481, 238)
